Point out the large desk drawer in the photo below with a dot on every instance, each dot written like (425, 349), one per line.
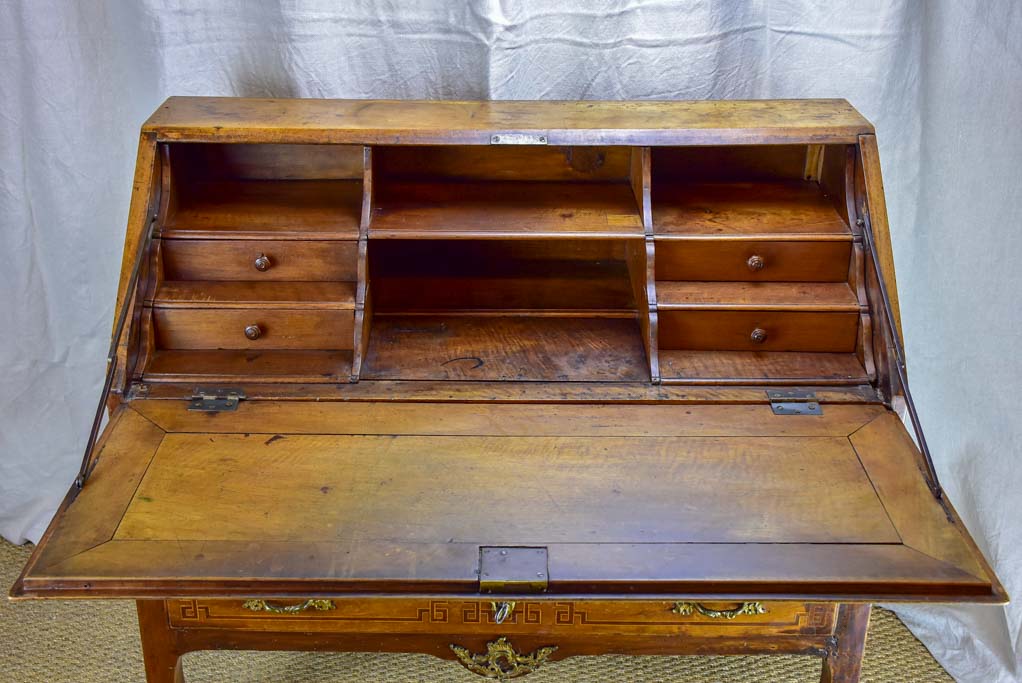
(524, 617)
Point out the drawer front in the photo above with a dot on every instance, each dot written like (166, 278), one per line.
(530, 617)
(758, 331)
(297, 261)
(190, 328)
(753, 260)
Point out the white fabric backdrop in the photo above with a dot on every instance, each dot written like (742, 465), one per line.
(940, 80)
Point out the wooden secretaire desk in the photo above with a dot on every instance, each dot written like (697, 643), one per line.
(507, 382)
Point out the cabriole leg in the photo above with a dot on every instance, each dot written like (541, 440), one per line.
(844, 661)
(159, 643)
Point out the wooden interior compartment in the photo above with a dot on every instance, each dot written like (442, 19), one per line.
(501, 277)
(503, 310)
(504, 192)
(753, 255)
(743, 192)
(260, 191)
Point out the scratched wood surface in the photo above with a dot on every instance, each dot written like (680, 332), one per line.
(564, 123)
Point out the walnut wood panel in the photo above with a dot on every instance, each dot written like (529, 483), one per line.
(610, 393)
(876, 212)
(143, 205)
(505, 348)
(565, 490)
(761, 208)
(860, 572)
(125, 448)
(761, 367)
(514, 162)
(224, 328)
(531, 616)
(760, 296)
(729, 163)
(564, 123)
(296, 261)
(235, 367)
(267, 161)
(263, 209)
(426, 210)
(737, 330)
(556, 295)
(483, 418)
(728, 260)
(263, 295)
(889, 455)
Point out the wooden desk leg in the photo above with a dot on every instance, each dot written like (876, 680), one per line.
(159, 643)
(844, 660)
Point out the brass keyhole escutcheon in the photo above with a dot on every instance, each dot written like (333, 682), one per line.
(262, 263)
(755, 263)
(253, 332)
(758, 336)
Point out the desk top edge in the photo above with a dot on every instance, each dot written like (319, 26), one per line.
(638, 122)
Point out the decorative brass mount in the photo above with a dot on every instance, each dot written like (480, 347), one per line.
(750, 608)
(312, 603)
(501, 661)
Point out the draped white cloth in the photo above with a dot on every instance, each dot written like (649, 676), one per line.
(941, 81)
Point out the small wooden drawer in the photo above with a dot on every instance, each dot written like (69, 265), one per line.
(217, 328)
(753, 260)
(278, 260)
(529, 617)
(758, 331)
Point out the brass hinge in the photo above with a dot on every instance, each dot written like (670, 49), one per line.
(513, 570)
(215, 399)
(794, 402)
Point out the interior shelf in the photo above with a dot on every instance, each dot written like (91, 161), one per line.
(247, 294)
(267, 209)
(211, 366)
(744, 209)
(495, 209)
(760, 367)
(757, 296)
(533, 348)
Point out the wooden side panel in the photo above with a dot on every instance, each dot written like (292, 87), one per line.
(876, 210)
(144, 190)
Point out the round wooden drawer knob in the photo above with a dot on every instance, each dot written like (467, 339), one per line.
(253, 332)
(758, 336)
(262, 263)
(755, 263)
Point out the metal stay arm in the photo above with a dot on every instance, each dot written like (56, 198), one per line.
(88, 461)
(899, 354)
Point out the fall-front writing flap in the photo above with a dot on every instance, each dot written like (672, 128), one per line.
(332, 497)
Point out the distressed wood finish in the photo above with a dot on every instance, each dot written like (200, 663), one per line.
(458, 359)
(473, 123)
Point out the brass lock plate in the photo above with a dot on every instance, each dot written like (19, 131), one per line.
(513, 570)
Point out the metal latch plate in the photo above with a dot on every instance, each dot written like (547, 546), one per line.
(513, 570)
(216, 400)
(518, 139)
(794, 402)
